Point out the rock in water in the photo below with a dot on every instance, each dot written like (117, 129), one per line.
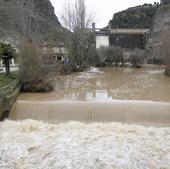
(22, 18)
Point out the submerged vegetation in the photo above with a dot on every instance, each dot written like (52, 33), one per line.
(118, 56)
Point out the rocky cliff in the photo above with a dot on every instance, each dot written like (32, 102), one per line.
(135, 17)
(154, 43)
(32, 19)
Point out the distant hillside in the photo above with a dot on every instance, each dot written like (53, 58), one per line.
(31, 18)
(135, 17)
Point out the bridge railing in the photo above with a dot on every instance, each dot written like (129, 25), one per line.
(9, 90)
(129, 31)
(125, 31)
(9, 93)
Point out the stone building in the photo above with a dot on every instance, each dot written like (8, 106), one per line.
(54, 54)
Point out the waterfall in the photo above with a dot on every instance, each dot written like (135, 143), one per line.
(140, 112)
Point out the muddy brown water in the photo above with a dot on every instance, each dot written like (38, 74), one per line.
(105, 94)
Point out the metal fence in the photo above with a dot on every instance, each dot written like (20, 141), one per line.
(9, 90)
(8, 94)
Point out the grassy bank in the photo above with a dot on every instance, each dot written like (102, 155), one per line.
(5, 80)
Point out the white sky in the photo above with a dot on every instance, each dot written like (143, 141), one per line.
(103, 10)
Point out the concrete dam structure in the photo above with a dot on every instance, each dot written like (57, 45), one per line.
(125, 38)
(130, 112)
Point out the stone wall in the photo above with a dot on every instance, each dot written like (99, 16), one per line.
(102, 40)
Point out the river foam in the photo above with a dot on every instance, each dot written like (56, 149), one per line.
(36, 145)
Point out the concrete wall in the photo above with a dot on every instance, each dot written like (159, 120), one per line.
(128, 40)
(102, 40)
(140, 112)
(1, 107)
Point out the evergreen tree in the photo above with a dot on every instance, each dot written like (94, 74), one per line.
(7, 52)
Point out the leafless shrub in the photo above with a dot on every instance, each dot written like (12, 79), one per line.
(30, 62)
(137, 57)
(111, 55)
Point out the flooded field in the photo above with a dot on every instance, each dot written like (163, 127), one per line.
(108, 84)
(36, 145)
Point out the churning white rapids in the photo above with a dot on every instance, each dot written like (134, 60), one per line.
(36, 145)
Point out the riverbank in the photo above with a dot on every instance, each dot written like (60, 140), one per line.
(8, 93)
(74, 145)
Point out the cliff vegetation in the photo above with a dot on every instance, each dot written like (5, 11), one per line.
(135, 17)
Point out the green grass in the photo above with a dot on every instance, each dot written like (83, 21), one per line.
(5, 80)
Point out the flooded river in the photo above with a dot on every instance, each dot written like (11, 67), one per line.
(74, 145)
(107, 84)
(108, 95)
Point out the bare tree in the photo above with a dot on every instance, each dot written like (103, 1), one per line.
(137, 57)
(110, 55)
(165, 40)
(30, 62)
(77, 20)
(76, 16)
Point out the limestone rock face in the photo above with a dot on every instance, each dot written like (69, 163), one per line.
(154, 43)
(135, 17)
(33, 19)
(165, 2)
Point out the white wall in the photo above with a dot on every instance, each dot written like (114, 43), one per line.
(102, 41)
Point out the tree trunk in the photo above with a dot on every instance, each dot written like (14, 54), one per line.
(7, 66)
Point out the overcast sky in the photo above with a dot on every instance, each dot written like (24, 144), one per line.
(103, 10)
